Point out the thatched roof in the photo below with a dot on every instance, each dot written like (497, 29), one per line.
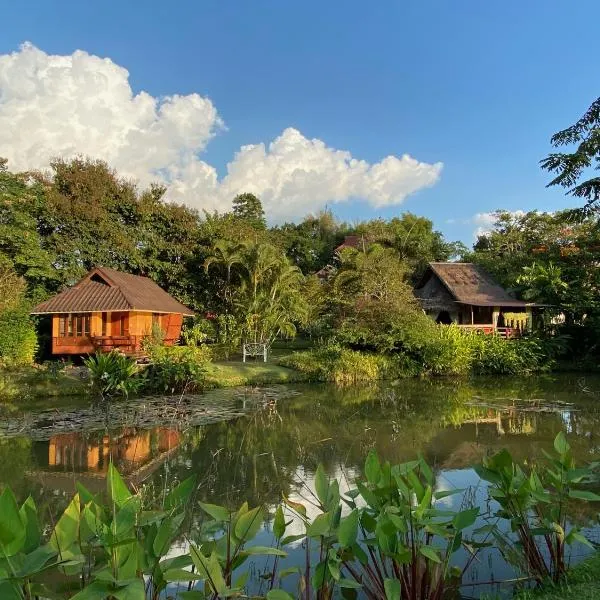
(107, 290)
(470, 284)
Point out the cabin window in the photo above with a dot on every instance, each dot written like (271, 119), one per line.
(74, 325)
(104, 323)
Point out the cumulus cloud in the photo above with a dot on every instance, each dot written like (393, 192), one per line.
(82, 104)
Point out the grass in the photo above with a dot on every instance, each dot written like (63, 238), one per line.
(234, 373)
(583, 584)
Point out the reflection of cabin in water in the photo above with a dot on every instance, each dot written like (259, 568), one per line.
(464, 294)
(130, 449)
(110, 310)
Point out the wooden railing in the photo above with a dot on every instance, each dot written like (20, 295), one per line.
(127, 343)
(489, 329)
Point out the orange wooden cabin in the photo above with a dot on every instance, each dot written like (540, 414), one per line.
(110, 310)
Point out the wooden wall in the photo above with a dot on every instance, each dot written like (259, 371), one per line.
(138, 324)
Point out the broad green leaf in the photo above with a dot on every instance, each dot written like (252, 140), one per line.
(348, 529)
(279, 595)
(290, 539)
(166, 533)
(97, 590)
(249, 524)
(320, 526)
(372, 467)
(29, 517)
(417, 486)
(576, 536)
(36, 561)
(334, 569)
(180, 494)
(10, 590)
(266, 550)
(560, 443)
(320, 576)
(431, 553)
(426, 470)
(465, 518)
(66, 531)
(179, 575)
(132, 591)
(321, 485)
(392, 589)
(210, 570)
(219, 513)
(445, 493)
(349, 583)
(279, 523)
(118, 492)
(584, 495)
(12, 529)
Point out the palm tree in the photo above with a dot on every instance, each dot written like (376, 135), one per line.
(226, 254)
(270, 297)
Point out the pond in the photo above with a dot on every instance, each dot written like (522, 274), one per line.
(256, 444)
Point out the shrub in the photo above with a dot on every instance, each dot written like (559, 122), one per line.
(18, 340)
(178, 369)
(496, 356)
(339, 365)
(113, 374)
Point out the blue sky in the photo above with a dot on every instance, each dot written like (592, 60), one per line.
(478, 86)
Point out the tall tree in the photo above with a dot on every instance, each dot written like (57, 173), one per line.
(570, 167)
(249, 208)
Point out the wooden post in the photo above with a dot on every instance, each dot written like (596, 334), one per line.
(472, 319)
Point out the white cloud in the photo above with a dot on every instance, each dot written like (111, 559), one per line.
(82, 104)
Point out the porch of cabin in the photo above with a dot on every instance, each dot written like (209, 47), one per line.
(86, 333)
(507, 322)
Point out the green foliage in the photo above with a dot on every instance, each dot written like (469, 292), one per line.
(178, 369)
(535, 500)
(248, 207)
(396, 537)
(569, 167)
(18, 340)
(113, 374)
(495, 356)
(337, 364)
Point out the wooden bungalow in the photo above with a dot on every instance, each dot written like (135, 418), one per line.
(110, 310)
(464, 294)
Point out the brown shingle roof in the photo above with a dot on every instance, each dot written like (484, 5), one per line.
(350, 241)
(471, 284)
(105, 289)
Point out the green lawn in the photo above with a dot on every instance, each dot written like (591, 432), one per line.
(233, 373)
(583, 584)
(35, 387)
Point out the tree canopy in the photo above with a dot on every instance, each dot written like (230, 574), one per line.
(570, 168)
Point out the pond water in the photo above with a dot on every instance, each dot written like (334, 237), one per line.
(256, 445)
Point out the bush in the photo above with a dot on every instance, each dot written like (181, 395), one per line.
(339, 365)
(18, 340)
(494, 356)
(178, 369)
(113, 374)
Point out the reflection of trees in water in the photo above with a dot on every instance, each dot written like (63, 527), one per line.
(256, 458)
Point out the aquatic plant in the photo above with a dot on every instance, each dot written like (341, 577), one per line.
(535, 500)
